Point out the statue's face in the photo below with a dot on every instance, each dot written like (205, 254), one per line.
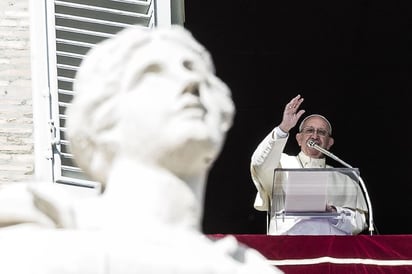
(174, 107)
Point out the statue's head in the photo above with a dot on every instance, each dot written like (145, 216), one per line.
(150, 95)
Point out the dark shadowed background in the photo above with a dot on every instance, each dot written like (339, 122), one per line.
(350, 60)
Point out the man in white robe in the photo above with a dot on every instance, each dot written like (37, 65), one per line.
(344, 195)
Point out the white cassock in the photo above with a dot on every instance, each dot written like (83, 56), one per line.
(343, 193)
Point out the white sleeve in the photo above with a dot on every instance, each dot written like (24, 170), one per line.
(265, 158)
(352, 222)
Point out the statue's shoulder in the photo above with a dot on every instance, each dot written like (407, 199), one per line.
(38, 203)
(17, 207)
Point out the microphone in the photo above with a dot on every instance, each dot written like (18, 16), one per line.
(312, 144)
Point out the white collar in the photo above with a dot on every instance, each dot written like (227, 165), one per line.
(308, 162)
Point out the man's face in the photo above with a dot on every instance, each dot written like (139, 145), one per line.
(173, 103)
(317, 129)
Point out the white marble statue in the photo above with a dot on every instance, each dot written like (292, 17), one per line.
(148, 120)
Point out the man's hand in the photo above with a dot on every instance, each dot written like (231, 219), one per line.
(291, 114)
(330, 208)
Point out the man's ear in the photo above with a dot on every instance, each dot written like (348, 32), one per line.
(299, 137)
(330, 143)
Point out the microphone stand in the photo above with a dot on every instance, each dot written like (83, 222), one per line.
(312, 144)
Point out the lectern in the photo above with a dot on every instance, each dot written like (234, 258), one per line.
(300, 197)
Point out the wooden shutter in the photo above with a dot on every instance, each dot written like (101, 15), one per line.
(73, 28)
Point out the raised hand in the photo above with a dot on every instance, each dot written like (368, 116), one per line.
(291, 114)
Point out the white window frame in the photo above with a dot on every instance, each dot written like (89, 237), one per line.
(46, 116)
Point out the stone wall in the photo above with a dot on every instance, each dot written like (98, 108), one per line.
(16, 115)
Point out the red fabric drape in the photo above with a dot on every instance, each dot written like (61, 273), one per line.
(334, 254)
